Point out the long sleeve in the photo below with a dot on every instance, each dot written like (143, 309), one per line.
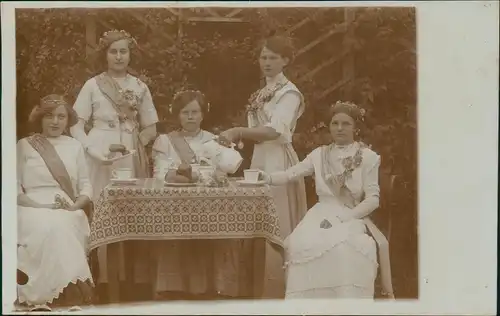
(284, 115)
(147, 111)
(371, 188)
(83, 108)
(302, 169)
(84, 184)
(161, 154)
(20, 164)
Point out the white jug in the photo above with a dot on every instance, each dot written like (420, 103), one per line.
(226, 159)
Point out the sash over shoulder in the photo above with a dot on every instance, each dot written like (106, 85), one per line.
(125, 108)
(54, 163)
(181, 147)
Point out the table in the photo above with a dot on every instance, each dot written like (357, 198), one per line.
(148, 210)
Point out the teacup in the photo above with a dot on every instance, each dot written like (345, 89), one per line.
(122, 173)
(251, 175)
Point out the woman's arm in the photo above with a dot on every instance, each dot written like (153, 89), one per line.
(83, 108)
(302, 169)
(281, 121)
(148, 117)
(84, 185)
(371, 190)
(161, 152)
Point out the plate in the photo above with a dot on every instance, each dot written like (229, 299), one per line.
(248, 183)
(123, 181)
(178, 184)
(123, 156)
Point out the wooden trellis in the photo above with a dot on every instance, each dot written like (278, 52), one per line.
(180, 16)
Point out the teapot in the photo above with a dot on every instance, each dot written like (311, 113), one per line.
(226, 159)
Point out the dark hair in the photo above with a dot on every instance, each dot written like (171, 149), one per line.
(353, 111)
(280, 45)
(183, 98)
(48, 104)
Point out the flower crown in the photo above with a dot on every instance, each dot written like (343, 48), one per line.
(177, 94)
(53, 102)
(352, 108)
(115, 35)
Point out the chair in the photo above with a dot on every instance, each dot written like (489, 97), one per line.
(383, 219)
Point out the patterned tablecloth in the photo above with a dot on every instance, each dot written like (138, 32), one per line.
(148, 210)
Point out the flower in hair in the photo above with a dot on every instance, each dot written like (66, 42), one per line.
(112, 36)
(353, 108)
(177, 94)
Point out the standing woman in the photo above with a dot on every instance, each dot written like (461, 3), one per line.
(120, 110)
(273, 112)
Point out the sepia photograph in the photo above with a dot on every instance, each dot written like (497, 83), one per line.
(215, 153)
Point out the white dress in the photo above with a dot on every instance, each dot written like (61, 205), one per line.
(54, 242)
(341, 261)
(282, 112)
(92, 106)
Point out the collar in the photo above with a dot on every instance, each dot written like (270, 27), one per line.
(273, 80)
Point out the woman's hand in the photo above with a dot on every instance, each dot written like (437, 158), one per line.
(264, 176)
(229, 137)
(345, 216)
(98, 155)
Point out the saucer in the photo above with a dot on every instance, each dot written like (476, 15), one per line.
(179, 184)
(248, 183)
(124, 181)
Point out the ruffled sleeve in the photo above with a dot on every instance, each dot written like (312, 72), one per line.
(284, 115)
(302, 169)
(84, 186)
(21, 163)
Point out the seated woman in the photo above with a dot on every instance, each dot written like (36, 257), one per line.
(53, 190)
(181, 263)
(184, 145)
(190, 268)
(330, 254)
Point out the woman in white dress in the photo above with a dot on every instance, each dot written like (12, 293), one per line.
(273, 112)
(120, 110)
(53, 230)
(332, 253)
